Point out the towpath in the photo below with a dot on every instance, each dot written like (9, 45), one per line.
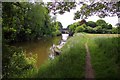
(89, 72)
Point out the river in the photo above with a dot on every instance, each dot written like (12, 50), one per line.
(41, 47)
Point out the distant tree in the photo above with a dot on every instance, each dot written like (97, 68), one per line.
(114, 30)
(118, 29)
(83, 21)
(101, 23)
(80, 29)
(91, 24)
(98, 29)
(60, 25)
(109, 26)
(72, 28)
(56, 28)
(89, 29)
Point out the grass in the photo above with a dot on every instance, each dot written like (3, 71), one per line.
(70, 64)
(105, 57)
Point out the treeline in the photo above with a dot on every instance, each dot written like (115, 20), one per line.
(99, 27)
(27, 21)
(23, 22)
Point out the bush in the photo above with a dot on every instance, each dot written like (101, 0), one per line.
(80, 29)
(89, 29)
(101, 23)
(98, 29)
(72, 28)
(15, 64)
(91, 24)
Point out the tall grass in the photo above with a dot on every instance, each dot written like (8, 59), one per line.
(71, 62)
(105, 55)
(105, 58)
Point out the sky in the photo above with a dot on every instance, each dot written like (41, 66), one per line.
(67, 18)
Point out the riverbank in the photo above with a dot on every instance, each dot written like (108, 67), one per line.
(71, 62)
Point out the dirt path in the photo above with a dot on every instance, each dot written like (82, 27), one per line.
(89, 73)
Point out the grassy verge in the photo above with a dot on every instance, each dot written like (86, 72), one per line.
(70, 64)
(105, 56)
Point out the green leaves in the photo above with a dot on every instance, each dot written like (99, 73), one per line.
(26, 21)
(100, 26)
(60, 7)
(15, 64)
(80, 29)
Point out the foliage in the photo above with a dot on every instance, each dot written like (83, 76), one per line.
(109, 26)
(22, 22)
(26, 21)
(83, 21)
(60, 7)
(98, 29)
(15, 64)
(73, 26)
(118, 29)
(100, 8)
(114, 30)
(91, 24)
(101, 23)
(56, 28)
(100, 26)
(89, 29)
(80, 29)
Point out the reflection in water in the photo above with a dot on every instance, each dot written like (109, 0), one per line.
(55, 49)
(39, 47)
(65, 36)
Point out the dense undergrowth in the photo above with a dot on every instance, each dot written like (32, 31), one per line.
(15, 64)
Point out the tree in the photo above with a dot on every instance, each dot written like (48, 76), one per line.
(109, 26)
(60, 7)
(80, 28)
(101, 23)
(98, 29)
(118, 29)
(114, 30)
(25, 19)
(83, 21)
(56, 28)
(101, 8)
(15, 64)
(89, 29)
(91, 24)
(60, 25)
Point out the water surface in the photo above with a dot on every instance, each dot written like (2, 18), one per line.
(40, 47)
